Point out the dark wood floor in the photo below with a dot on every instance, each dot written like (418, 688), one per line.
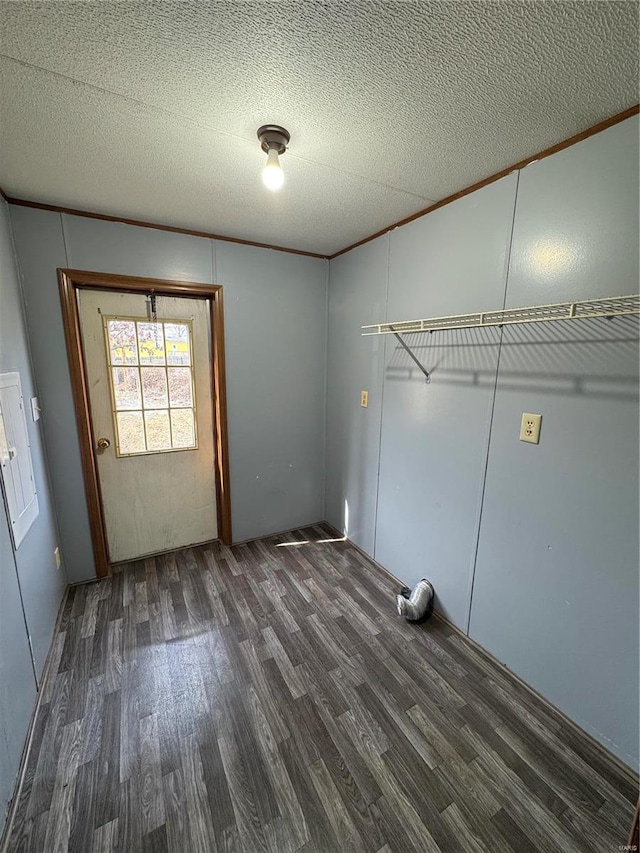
(266, 698)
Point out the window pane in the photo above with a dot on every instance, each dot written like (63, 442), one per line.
(180, 394)
(182, 428)
(122, 341)
(151, 343)
(154, 387)
(158, 434)
(153, 402)
(177, 343)
(130, 432)
(126, 388)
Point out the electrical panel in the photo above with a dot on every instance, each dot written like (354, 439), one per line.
(15, 458)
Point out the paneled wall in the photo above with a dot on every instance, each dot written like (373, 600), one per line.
(275, 332)
(31, 587)
(434, 436)
(556, 580)
(358, 295)
(532, 549)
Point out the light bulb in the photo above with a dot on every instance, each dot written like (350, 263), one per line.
(272, 174)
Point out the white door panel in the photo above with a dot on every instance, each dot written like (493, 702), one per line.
(153, 501)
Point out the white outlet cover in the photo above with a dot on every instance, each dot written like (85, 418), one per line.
(530, 427)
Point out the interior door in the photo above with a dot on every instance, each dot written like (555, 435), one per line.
(150, 394)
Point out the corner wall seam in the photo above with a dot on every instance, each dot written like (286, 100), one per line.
(325, 426)
(384, 366)
(65, 242)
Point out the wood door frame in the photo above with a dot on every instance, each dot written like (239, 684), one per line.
(70, 282)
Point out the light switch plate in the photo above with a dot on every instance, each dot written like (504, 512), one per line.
(530, 428)
(35, 409)
(364, 399)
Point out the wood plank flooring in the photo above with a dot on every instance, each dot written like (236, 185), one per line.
(266, 697)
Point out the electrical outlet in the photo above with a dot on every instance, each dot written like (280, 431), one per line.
(56, 555)
(530, 428)
(364, 399)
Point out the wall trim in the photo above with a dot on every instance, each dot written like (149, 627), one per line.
(70, 281)
(565, 720)
(141, 223)
(547, 152)
(552, 149)
(26, 749)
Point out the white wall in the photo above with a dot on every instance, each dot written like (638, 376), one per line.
(533, 550)
(556, 584)
(31, 587)
(275, 333)
(434, 436)
(358, 295)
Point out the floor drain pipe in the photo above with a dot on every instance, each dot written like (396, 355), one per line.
(416, 606)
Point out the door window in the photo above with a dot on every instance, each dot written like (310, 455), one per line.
(152, 389)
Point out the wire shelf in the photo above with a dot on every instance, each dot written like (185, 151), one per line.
(613, 306)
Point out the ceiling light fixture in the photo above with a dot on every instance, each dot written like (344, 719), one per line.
(274, 140)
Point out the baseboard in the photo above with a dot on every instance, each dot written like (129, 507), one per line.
(197, 545)
(26, 749)
(606, 754)
(565, 720)
(281, 533)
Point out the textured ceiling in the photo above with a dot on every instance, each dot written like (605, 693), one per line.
(149, 110)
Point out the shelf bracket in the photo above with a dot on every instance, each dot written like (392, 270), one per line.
(411, 355)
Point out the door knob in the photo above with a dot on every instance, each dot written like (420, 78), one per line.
(102, 445)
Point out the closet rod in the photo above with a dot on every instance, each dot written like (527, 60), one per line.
(612, 306)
